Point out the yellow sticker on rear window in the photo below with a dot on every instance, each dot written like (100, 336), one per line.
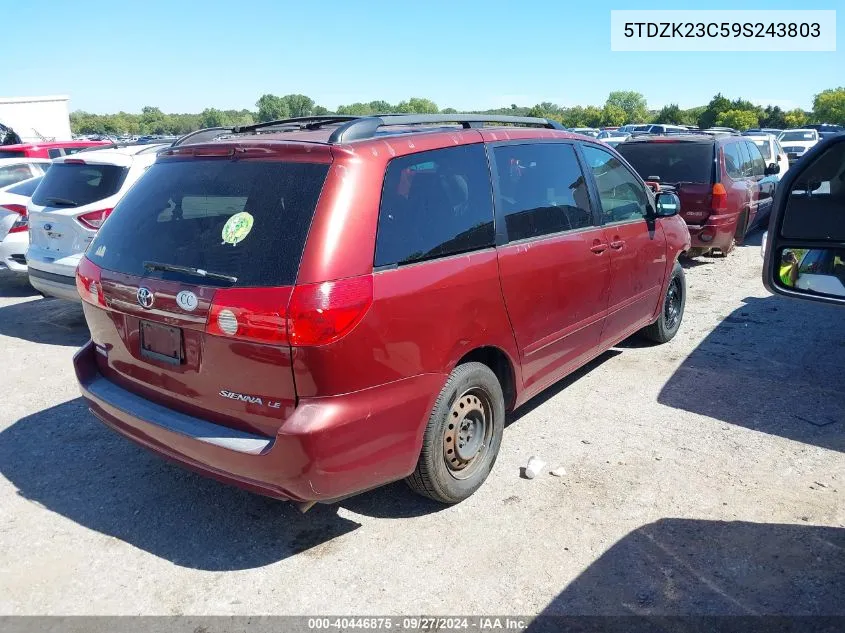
(237, 228)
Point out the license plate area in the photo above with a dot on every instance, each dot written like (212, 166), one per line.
(162, 343)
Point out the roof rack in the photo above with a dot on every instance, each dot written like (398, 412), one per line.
(354, 128)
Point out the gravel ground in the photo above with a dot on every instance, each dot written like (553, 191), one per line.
(703, 476)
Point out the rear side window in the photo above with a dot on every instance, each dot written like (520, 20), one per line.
(435, 204)
(246, 219)
(76, 184)
(26, 188)
(764, 148)
(671, 161)
(8, 154)
(54, 152)
(758, 165)
(541, 189)
(14, 173)
(734, 160)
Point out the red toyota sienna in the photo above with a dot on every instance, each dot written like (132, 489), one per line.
(314, 307)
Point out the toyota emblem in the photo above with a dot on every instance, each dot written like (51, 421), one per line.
(145, 297)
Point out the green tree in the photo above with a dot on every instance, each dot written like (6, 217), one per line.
(671, 114)
(381, 107)
(417, 105)
(212, 117)
(829, 106)
(773, 116)
(592, 116)
(272, 108)
(153, 121)
(356, 109)
(633, 103)
(319, 110)
(795, 118)
(448, 111)
(299, 105)
(717, 105)
(738, 119)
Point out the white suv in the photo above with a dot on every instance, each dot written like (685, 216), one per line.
(67, 209)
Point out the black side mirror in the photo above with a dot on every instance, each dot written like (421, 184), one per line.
(805, 247)
(668, 204)
(772, 169)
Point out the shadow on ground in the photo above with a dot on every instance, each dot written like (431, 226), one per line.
(685, 567)
(15, 285)
(774, 365)
(65, 460)
(48, 321)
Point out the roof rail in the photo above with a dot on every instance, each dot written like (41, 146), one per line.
(353, 128)
(367, 126)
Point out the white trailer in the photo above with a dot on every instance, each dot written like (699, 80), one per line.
(37, 119)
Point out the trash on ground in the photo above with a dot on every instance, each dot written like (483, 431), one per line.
(558, 472)
(534, 467)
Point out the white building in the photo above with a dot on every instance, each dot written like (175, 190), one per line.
(37, 118)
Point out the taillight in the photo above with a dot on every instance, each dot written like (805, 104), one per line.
(93, 219)
(322, 313)
(719, 199)
(254, 314)
(22, 223)
(88, 283)
(308, 315)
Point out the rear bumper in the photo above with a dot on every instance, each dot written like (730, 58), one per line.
(53, 284)
(720, 229)
(13, 252)
(329, 448)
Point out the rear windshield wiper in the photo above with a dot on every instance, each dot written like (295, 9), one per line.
(64, 202)
(188, 270)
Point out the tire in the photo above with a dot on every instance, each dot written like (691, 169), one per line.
(669, 322)
(696, 252)
(471, 399)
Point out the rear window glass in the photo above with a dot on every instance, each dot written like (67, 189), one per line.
(764, 148)
(8, 154)
(798, 136)
(245, 219)
(26, 188)
(435, 204)
(77, 184)
(671, 162)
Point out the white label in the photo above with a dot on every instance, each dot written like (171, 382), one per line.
(187, 300)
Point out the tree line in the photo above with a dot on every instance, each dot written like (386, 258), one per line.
(621, 107)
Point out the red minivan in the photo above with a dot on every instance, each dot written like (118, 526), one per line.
(724, 185)
(47, 149)
(315, 307)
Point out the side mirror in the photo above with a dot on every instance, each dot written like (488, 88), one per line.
(772, 169)
(668, 204)
(805, 245)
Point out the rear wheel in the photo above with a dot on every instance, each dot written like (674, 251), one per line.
(672, 311)
(462, 437)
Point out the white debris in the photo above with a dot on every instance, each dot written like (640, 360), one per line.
(558, 472)
(535, 467)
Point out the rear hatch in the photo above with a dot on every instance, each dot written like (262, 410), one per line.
(687, 166)
(70, 204)
(196, 267)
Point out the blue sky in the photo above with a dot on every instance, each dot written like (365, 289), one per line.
(183, 56)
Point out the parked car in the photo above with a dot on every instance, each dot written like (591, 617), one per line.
(796, 142)
(630, 127)
(586, 131)
(70, 204)
(14, 170)
(762, 131)
(14, 224)
(261, 306)
(772, 152)
(52, 149)
(606, 134)
(720, 180)
(659, 128)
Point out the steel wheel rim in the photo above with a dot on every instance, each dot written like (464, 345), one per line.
(467, 434)
(672, 308)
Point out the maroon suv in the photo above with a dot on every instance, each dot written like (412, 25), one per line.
(724, 185)
(314, 307)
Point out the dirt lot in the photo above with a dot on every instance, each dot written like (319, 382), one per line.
(704, 476)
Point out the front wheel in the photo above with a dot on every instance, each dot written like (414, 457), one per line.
(672, 311)
(462, 437)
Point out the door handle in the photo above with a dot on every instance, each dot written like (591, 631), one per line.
(598, 247)
(617, 244)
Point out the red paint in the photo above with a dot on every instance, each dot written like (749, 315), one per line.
(42, 150)
(356, 386)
